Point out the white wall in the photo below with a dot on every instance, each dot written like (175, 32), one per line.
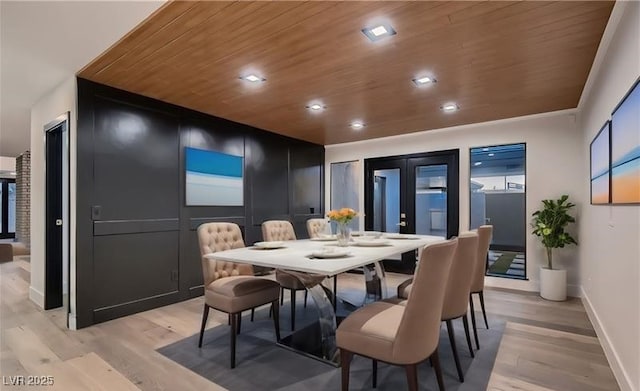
(7, 163)
(59, 101)
(7, 167)
(610, 246)
(554, 167)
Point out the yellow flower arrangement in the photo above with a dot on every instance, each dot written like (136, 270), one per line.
(343, 215)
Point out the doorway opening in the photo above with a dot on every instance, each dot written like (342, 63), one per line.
(497, 197)
(56, 286)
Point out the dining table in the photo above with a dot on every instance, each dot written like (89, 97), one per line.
(323, 256)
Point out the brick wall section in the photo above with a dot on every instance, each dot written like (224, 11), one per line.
(23, 195)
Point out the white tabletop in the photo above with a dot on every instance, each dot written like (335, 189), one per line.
(296, 255)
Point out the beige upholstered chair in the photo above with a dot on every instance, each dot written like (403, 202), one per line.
(282, 230)
(477, 284)
(315, 227)
(457, 291)
(402, 334)
(230, 287)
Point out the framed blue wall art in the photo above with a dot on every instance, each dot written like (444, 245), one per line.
(213, 178)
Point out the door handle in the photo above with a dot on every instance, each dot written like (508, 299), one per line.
(59, 222)
(402, 224)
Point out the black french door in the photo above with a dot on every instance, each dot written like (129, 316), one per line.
(54, 217)
(413, 194)
(7, 208)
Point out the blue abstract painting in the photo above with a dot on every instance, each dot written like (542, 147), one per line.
(625, 150)
(600, 166)
(213, 178)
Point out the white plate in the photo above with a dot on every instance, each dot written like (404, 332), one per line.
(357, 233)
(332, 253)
(325, 238)
(371, 242)
(399, 236)
(269, 245)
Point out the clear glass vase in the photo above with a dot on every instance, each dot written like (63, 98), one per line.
(343, 234)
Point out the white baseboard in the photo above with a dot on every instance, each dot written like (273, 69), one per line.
(612, 356)
(527, 285)
(72, 322)
(36, 296)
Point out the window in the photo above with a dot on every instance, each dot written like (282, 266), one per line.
(498, 194)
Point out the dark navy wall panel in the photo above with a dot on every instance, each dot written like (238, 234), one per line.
(137, 246)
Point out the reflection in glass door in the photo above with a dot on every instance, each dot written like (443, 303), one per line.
(386, 205)
(431, 200)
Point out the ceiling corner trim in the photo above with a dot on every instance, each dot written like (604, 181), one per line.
(605, 43)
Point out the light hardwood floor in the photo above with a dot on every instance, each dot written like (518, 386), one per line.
(546, 345)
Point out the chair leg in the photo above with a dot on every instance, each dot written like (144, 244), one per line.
(345, 363)
(239, 315)
(253, 312)
(412, 376)
(435, 360)
(465, 322)
(335, 292)
(473, 320)
(276, 318)
(205, 315)
(374, 377)
(452, 340)
(281, 296)
(484, 313)
(293, 309)
(306, 293)
(234, 328)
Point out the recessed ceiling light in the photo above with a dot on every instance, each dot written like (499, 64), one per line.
(420, 81)
(12, 173)
(357, 125)
(477, 163)
(492, 154)
(485, 149)
(450, 107)
(377, 32)
(316, 107)
(253, 78)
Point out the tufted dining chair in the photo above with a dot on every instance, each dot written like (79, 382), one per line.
(231, 287)
(282, 230)
(405, 334)
(315, 227)
(477, 284)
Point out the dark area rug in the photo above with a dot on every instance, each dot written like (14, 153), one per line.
(262, 365)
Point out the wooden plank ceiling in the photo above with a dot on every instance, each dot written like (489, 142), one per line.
(494, 59)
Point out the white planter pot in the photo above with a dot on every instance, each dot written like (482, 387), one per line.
(553, 284)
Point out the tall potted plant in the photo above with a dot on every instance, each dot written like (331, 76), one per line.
(549, 225)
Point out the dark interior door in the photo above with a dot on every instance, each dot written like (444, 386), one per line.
(412, 194)
(54, 223)
(7, 208)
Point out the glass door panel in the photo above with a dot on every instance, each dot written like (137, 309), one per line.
(431, 200)
(386, 200)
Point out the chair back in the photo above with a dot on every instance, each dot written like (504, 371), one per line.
(484, 239)
(419, 329)
(213, 237)
(456, 297)
(277, 230)
(315, 227)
